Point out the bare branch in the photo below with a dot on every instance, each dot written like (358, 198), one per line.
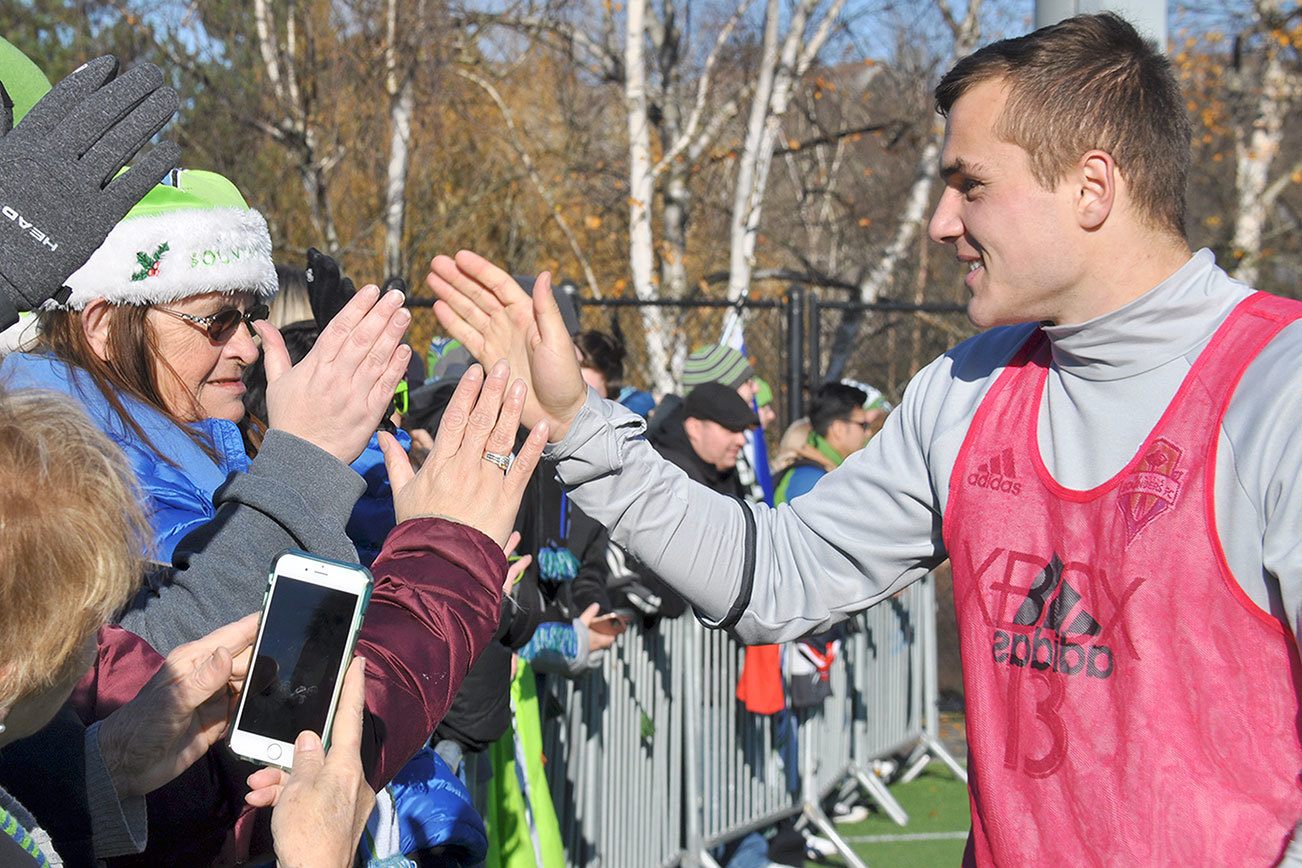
(518, 146)
(702, 91)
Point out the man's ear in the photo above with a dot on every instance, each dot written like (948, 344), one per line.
(95, 319)
(1098, 179)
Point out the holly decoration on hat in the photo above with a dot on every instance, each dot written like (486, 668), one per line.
(149, 264)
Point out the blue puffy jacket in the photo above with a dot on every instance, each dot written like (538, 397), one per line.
(180, 492)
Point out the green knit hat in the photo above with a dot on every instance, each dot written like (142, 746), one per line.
(192, 234)
(23, 80)
(716, 363)
(763, 392)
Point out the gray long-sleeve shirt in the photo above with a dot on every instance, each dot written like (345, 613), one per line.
(874, 524)
(294, 495)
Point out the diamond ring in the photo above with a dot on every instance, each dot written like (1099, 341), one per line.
(502, 461)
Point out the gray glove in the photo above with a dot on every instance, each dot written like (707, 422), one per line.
(57, 204)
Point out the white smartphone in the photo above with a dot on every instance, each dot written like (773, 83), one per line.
(311, 615)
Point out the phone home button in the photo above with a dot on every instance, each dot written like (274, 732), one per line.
(273, 751)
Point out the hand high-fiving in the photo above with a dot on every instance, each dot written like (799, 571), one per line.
(459, 480)
(335, 397)
(484, 308)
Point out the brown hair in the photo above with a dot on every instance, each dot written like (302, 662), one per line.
(72, 536)
(1089, 82)
(605, 354)
(131, 368)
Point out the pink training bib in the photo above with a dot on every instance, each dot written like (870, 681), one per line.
(1127, 704)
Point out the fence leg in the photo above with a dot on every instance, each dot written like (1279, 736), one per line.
(876, 789)
(815, 815)
(929, 745)
(813, 812)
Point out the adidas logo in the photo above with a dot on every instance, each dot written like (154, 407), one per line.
(997, 474)
(1054, 614)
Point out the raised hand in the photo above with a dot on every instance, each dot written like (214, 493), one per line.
(458, 481)
(336, 396)
(483, 307)
(59, 174)
(180, 713)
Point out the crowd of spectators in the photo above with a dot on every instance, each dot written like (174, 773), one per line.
(176, 409)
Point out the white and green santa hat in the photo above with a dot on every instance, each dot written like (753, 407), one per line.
(192, 234)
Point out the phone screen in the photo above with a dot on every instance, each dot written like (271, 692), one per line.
(304, 637)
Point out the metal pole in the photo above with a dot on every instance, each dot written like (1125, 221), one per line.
(815, 341)
(795, 353)
(1148, 16)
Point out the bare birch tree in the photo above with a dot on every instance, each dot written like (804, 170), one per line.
(1268, 86)
(295, 96)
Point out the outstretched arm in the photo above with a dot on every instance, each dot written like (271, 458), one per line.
(769, 575)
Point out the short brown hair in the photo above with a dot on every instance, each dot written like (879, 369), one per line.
(72, 537)
(1089, 82)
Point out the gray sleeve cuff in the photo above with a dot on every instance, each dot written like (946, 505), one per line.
(329, 487)
(120, 826)
(594, 445)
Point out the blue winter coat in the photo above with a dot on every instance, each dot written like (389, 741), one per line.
(180, 493)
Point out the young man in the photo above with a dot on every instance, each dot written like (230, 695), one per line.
(839, 427)
(1113, 474)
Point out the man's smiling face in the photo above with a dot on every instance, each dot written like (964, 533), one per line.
(1015, 236)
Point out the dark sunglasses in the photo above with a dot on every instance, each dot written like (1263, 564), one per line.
(222, 324)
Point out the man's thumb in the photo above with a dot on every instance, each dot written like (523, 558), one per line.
(547, 313)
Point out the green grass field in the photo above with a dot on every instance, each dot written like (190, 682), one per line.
(939, 819)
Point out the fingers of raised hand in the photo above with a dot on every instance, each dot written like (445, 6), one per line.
(366, 341)
(483, 418)
(527, 458)
(460, 303)
(502, 287)
(470, 337)
(457, 281)
(337, 332)
(452, 427)
(508, 548)
(502, 440)
(382, 392)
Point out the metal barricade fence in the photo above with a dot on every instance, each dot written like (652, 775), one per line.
(651, 760)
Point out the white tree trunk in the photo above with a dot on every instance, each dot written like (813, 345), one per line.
(641, 190)
(398, 84)
(779, 72)
(1256, 148)
(914, 214)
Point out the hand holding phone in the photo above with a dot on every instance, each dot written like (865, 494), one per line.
(311, 616)
(322, 806)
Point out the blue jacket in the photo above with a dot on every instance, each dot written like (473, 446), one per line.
(180, 493)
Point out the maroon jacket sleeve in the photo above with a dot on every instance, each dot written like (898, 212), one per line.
(435, 606)
(124, 663)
